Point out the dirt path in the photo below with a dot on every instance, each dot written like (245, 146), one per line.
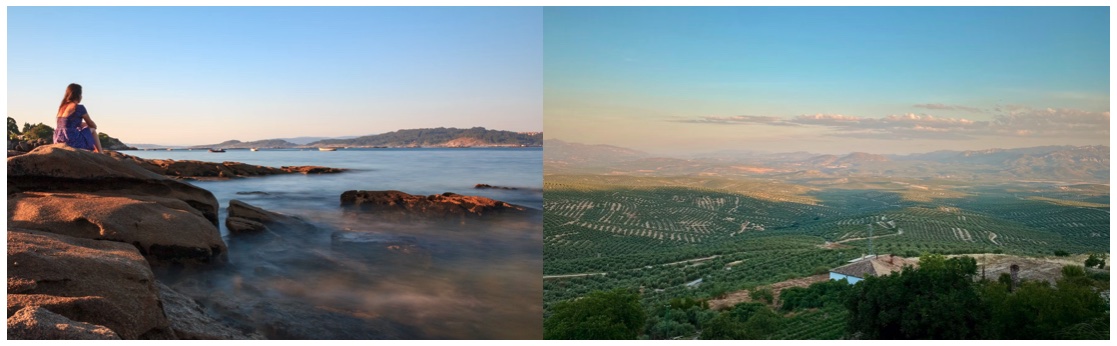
(742, 296)
(900, 232)
(691, 260)
(545, 277)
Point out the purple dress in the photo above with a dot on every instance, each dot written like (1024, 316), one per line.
(70, 131)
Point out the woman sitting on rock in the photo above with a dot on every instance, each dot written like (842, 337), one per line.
(74, 127)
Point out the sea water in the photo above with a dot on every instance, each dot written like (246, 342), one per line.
(359, 275)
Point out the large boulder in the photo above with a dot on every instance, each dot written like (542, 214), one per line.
(58, 167)
(98, 282)
(446, 204)
(163, 229)
(36, 323)
(189, 320)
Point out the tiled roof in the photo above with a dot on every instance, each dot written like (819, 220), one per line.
(878, 266)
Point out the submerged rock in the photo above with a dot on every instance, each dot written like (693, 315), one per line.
(190, 322)
(163, 229)
(98, 282)
(446, 204)
(382, 249)
(246, 218)
(237, 225)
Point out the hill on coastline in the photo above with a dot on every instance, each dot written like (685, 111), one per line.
(235, 144)
(412, 138)
(440, 137)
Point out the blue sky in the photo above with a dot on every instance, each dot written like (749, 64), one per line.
(827, 79)
(197, 75)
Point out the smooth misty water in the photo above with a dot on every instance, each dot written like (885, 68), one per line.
(360, 275)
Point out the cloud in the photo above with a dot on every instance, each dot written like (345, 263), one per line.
(892, 123)
(942, 107)
(1024, 121)
(899, 127)
(829, 120)
(903, 134)
(737, 120)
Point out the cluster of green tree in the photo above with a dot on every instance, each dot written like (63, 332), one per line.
(43, 131)
(1095, 260)
(679, 317)
(111, 143)
(941, 300)
(938, 300)
(13, 128)
(30, 132)
(743, 321)
(601, 315)
(759, 320)
(435, 136)
(815, 296)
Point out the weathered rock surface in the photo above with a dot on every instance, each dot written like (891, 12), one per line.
(246, 218)
(237, 225)
(25, 146)
(163, 229)
(189, 321)
(446, 204)
(98, 282)
(300, 319)
(228, 169)
(36, 323)
(58, 168)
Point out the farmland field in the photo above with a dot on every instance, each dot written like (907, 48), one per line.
(701, 237)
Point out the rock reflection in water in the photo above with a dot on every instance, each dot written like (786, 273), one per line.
(359, 275)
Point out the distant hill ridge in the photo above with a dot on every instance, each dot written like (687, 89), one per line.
(410, 138)
(1064, 163)
(441, 137)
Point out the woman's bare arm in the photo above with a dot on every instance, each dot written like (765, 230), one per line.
(89, 121)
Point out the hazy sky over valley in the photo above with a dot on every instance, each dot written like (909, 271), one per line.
(199, 75)
(827, 80)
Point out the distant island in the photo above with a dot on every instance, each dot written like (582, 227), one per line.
(412, 138)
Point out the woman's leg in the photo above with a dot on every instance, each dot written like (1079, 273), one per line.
(96, 141)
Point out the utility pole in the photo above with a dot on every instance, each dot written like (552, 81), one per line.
(871, 239)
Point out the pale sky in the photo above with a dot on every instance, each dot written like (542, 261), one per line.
(200, 75)
(827, 80)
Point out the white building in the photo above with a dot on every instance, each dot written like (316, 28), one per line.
(863, 267)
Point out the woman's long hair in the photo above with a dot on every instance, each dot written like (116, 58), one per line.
(73, 94)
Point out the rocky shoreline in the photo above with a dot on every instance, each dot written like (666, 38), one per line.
(227, 169)
(87, 234)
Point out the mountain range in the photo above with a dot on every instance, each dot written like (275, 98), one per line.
(1051, 163)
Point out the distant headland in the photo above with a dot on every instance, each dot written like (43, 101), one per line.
(441, 137)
